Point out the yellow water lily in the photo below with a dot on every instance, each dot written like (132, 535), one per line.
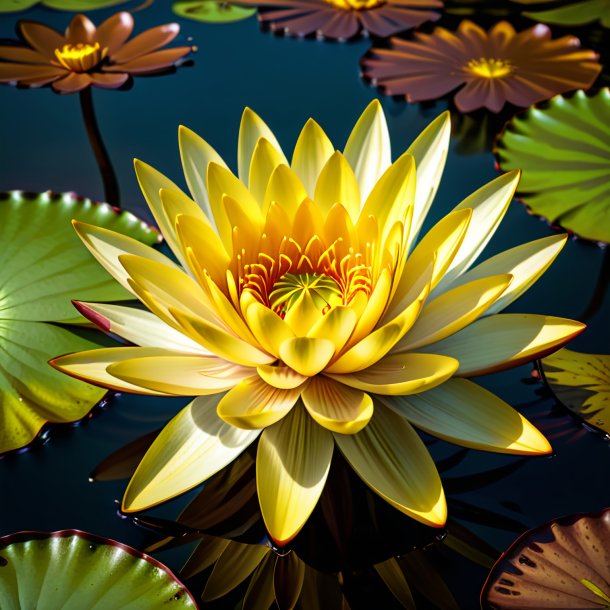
(304, 312)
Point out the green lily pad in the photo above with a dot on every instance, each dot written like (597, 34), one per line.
(212, 11)
(577, 12)
(72, 570)
(563, 148)
(43, 265)
(581, 382)
(13, 6)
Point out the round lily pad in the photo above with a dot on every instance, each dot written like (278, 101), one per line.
(563, 149)
(562, 564)
(43, 265)
(581, 382)
(72, 570)
(575, 12)
(13, 6)
(212, 11)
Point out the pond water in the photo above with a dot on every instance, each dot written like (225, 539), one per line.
(43, 145)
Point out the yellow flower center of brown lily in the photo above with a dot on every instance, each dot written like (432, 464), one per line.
(80, 57)
(356, 5)
(490, 67)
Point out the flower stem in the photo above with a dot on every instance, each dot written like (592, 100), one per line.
(111, 186)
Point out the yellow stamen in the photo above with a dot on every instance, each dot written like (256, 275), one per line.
(489, 67)
(81, 57)
(356, 5)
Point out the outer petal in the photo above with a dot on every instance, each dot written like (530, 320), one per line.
(91, 365)
(336, 406)
(391, 459)
(462, 412)
(192, 447)
(488, 205)
(180, 374)
(504, 341)
(401, 374)
(292, 464)
(313, 149)
(526, 263)
(368, 148)
(253, 404)
(145, 43)
(307, 355)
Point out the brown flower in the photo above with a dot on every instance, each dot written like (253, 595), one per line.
(87, 55)
(344, 19)
(494, 67)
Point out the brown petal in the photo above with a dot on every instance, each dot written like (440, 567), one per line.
(81, 29)
(41, 38)
(72, 83)
(109, 81)
(146, 42)
(343, 25)
(34, 75)
(22, 55)
(113, 32)
(152, 62)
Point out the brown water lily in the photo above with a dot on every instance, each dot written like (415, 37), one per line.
(490, 68)
(86, 55)
(344, 19)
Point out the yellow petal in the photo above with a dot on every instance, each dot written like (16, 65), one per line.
(337, 407)
(264, 160)
(176, 202)
(91, 365)
(253, 403)
(219, 341)
(504, 341)
(391, 459)
(107, 246)
(430, 153)
(236, 563)
(260, 593)
(192, 447)
(368, 148)
(462, 412)
(180, 374)
(313, 149)
(196, 154)
(526, 263)
(139, 327)
(303, 315)
(337, 325)
(286, 190)
(288, 578)
(337, 184)
(401, 374)
(307, 355)
(292, 463)
(268, 328)
(206, 553)
(251, 129)
(394, 579)
(452, 311)
(488, 205)
(280, 376)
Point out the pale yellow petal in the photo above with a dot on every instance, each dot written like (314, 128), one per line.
(307, 355)
(279, 376)
(462, 412)
(368, 148)
(264, 160)
(286, 190)
(180, 374)
(504, 341)
(260, 593)
(337, 184)
(192, 447)
(268, 328)
(303, 315)
(196, 154)
(337, 325)
(313, 149)
(91, 365)
(452, 311)
(292, 464)
(337, 407)
(391, 459)
(251, 129)
(253, 403)
(401, 374)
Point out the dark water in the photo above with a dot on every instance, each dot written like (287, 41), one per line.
(43, 146)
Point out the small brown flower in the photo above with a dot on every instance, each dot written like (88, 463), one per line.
(491, 68)
(344, 19)
(87, 55)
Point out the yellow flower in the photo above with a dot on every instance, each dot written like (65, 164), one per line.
(304, 312)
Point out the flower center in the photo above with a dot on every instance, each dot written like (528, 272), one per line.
(355, 5)
(490, 67)
(80, 57)
(323, 291)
